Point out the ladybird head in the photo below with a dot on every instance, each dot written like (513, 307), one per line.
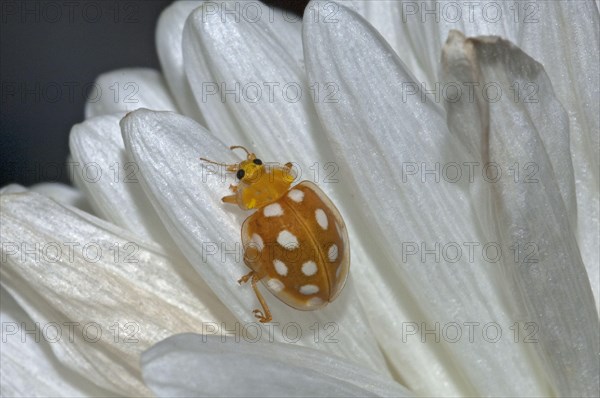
(258, 185)
(249, 170)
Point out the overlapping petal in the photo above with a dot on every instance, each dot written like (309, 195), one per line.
(550, 282)
(562, 35)
(110, 180)
(64, 194)
(25, 353)
(395, 125)
(169, 33)
(246, 72)
(205, 366)
(124, 90)
(110, 293)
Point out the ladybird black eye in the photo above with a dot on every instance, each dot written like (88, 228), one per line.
(257, 161)
(240, 174)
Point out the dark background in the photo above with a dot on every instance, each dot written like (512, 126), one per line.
(50, 51)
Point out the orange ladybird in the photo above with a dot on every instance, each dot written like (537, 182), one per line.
(295, 242)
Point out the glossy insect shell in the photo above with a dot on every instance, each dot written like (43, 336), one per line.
(296, 241)
(298, 245)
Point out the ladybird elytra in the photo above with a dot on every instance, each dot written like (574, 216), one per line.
(295, 242)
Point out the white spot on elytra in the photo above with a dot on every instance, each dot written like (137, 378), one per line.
(321, 218)
(288, 240)
(309, 289)
(275, 284)
(309, 268)
(314, 302)
(296, 195)
(280, 267)
(332, 253)
(273, 210)
(257, 242)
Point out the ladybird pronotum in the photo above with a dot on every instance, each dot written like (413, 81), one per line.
(295, 242)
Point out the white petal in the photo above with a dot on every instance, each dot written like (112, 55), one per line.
(60, 192)
(565, 40)
(128, 89)
(59, 265)
(206, 366)
(12, 188)
(268, 105)
(169, 32)
(469, 116)
(417, 30)
(63, 194)
(562, 35)
(550, 281)
(110, 180)
(187, 197)
(379, 129)
(391, 19)
(26, 354)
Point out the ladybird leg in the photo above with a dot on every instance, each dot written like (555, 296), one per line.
(246, 277)
(263, 316)
(229, 199)
(233, 188)
(288, 171)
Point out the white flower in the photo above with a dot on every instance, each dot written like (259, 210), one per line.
(382, 132)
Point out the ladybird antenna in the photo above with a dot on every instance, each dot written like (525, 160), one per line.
(240, 147)
(229, 166)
